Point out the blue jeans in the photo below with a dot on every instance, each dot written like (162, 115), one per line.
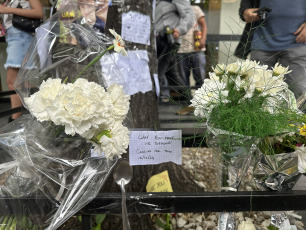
(194, 61)
(18, 43)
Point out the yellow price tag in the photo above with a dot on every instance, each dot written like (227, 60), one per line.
(159, 183)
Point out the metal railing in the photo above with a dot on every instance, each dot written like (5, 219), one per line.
(8, 112)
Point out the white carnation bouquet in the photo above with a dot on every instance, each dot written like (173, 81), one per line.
(60, 154)
(87, 109)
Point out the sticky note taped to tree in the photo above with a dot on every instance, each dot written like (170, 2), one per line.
(159, 183)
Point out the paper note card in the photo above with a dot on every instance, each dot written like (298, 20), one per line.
(159, 183)
(132, 71)
(136, 27)
(155, 147)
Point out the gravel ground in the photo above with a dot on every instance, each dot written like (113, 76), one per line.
(198, 161)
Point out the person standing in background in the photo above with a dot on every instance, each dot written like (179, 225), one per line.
(191, 54)
(177, 17)
(18, 41)
(278, 37)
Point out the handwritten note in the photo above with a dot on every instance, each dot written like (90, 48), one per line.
(159, 183)
(136, 27)
(132, 71)
(155, 147)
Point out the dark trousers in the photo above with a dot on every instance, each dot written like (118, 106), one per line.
(168, 69)
(194, 61)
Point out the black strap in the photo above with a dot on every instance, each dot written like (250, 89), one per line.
(170, 1)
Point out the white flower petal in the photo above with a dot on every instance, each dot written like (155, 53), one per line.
(117, 143)
(118, 43)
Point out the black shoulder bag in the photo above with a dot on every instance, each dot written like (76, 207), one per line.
(24, 23)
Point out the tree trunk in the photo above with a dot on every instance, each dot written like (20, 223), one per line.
(144, 109)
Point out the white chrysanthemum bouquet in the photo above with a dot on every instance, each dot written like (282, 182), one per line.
(242, 103)
(246, 98)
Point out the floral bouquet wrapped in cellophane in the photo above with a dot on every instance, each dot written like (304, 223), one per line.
(59, 156)
(242, 103)
(281, 159)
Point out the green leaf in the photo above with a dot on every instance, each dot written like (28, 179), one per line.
(100, 218)
(9, 223)
(160, 223)
(3, 223)
(13, 225)
(271, 227)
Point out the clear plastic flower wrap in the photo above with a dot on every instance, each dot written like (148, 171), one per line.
(59, 156)
(232, 154)
(56, 173)
(281, 160)
(64, 45)
(277, 172)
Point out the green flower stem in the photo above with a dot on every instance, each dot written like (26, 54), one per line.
(93, 62)
(97, 138)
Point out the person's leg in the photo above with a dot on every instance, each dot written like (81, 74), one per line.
(269, 58)
(198, 69)
(18, 43)
(163, 63)
(295, 59)
(185, 67)
(15, 100)
(163, 82)
(173, 73)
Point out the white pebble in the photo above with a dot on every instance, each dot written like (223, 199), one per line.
(299, 225)
(201, 184)
(181, 222)
(249, 219)
(199, 228)
(246, 225)
(265, 223)
(212, 217)
(209, 224)
(199, 219)
(266, 214)
(191, 220)
(173, 221)
(190, 225)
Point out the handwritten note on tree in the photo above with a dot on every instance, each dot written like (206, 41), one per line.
(136, 27)
(155, 147)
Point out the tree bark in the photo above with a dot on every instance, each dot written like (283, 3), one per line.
(144, 109)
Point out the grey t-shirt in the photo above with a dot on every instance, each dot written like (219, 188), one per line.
(276, 33)
(177, 14)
